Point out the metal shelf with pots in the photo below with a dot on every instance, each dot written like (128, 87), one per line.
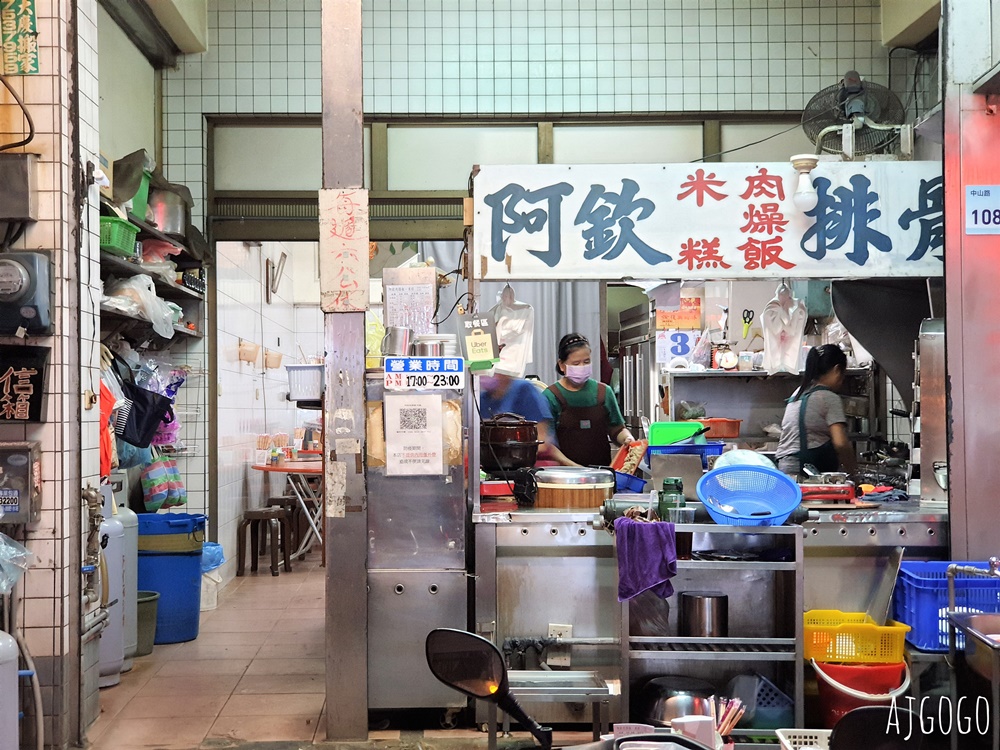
(757, 594)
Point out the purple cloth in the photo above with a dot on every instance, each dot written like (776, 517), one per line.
(647, 557)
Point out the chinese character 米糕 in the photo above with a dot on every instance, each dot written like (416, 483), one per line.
(701, 185)
(704, 253)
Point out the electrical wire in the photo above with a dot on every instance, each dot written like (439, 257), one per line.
(762, 140)
(27, 117)
(460, 297)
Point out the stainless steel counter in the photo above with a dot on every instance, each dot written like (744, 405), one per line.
(845, 550)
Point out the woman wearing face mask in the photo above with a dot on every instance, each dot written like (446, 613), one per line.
(586, 412)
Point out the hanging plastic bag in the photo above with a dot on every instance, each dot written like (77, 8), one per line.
(702, 352)
(177, 492)
(129, 456)
(212, 557)
(141, 290)
(155, 479)
(14, 562)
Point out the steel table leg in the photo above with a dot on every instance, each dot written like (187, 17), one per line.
(303, 493)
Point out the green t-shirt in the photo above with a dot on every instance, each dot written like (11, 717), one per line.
(586, 396)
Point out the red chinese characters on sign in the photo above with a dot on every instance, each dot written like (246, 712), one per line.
(699, 254)
(760, 254)
(766, 218)
(16, 390)
(700, 184)
(764, 185)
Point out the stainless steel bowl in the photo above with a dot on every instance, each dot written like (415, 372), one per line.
(663, 699)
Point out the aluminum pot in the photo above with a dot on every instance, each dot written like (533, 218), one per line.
(170, 212)
(663, 699)
(508, 441)
(427, 348)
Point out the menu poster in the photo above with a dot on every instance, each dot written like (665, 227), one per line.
(410, 306)
(414, 436)
(687, 317)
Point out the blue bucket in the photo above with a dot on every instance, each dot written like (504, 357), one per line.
(170, 547)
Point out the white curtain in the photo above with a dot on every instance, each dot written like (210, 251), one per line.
(561, 307)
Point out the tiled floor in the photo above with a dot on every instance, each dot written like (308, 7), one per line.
(255, 674)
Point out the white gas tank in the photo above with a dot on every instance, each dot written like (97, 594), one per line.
(112, 651)
(130, 523)
(9, 731)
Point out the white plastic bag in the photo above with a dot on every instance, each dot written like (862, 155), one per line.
(141, 289)
(14, 561)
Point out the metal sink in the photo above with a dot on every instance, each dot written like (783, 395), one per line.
(982, 642)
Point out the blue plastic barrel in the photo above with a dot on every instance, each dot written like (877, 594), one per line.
(170, 546)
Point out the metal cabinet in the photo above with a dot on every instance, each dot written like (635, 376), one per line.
(765, 615)
(551, 568)
(403, 607)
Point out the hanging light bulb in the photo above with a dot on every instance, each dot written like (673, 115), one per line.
(805, 197)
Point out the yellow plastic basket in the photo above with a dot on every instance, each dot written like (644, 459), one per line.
(852, 638)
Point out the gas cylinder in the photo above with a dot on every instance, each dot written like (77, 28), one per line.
(130, 523)
(8, 693)
(112, 651)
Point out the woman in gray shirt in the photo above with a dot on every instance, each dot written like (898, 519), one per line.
(814, 428)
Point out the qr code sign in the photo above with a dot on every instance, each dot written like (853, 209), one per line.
(413, 418)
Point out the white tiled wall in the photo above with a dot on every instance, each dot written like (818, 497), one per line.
(69, 436)
(504, 57)
(521, 56)
(251, 400)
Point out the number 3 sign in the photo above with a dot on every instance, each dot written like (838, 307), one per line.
(673, 344)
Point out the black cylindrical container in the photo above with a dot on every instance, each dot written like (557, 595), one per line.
(703, 614)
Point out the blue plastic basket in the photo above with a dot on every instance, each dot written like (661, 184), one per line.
(758, 496)
(921, 600)
(704, 450)
(628, 482)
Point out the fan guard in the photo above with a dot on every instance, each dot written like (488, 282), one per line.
(880, 105)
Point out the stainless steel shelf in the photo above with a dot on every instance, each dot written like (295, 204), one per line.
(734, 565)
(720, 649)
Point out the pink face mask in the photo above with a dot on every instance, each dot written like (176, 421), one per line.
(489, 382)
(578, 374)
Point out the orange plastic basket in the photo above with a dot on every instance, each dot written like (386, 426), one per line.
(852, 638)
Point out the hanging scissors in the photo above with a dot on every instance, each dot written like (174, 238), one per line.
(747, 320)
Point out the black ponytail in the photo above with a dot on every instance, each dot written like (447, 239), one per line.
(569, 344)
(819, 361)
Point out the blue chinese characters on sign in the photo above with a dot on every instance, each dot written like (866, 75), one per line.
(930, 213)
(611, 226)
(845, 214)
(508, 220)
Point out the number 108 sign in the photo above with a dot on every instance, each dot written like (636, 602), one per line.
(982, 209)
(424, 373)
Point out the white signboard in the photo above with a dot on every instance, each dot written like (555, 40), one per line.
(414, 440)
(698, 221)
(673, 344)
(343, 250)
(424, 373)
(982, 209)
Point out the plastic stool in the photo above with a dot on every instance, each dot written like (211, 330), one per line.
(296, 519)
(276, 520)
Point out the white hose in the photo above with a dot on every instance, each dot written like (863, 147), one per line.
(36, 685)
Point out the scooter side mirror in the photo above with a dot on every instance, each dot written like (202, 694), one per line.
(473, 665)
(468, 663)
